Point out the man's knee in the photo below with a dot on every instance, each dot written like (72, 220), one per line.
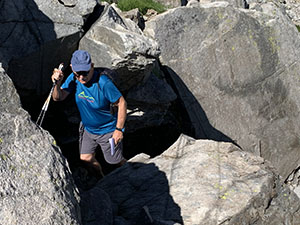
(122, 162)
(87, 157)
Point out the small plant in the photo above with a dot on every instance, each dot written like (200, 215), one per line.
(142, 5)
(298, 27)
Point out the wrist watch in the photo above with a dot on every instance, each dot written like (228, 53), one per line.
(121, 129)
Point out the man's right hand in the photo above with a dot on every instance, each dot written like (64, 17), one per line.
(57, 76)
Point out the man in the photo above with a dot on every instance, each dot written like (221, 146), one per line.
(94, 94)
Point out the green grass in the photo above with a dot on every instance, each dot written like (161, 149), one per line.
(298, 27)
(142, 5)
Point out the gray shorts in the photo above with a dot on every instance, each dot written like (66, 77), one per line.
(88, 144)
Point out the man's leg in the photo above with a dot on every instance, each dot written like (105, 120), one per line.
(87, 154)
(92, 164)
(122, 162)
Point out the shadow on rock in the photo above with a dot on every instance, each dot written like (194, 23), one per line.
(197, 124)
(134, 194)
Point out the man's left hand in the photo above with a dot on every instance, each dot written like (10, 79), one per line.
(117, 136)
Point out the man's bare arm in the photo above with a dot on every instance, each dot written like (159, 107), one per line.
(58, 93)
(122, 113)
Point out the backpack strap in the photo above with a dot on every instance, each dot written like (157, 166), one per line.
(100, 72)
(104, 71)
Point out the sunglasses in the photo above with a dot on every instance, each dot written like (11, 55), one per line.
(81, 73)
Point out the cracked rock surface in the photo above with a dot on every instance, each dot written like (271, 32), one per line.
(198, 182)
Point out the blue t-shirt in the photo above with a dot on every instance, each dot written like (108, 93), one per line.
(93, 102)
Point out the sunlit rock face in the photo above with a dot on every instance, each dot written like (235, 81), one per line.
(194, 182)
(237, 72)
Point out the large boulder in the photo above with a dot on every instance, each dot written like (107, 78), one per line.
(118, 43)
(237, 72)
(36, 183)
(194, 182)
(36, 36)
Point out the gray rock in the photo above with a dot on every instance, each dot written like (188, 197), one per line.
(200, 182)
(155, 91)
(36, 36)
(172, 3)
(149, 104)
(294, 181)
(289, 7)
(135, 16)
(136, 187)
(236, 71)
(121, 221)
(177, 3)
(293, 10)
(151, 13)
(36, 183)
(118, 43)
(96, 207)
(234, 3)
(193, 2)
(241, 187)
(297, 191)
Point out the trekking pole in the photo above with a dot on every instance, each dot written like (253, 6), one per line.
(40, 119)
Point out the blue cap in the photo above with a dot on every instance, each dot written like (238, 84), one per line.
(81, 61)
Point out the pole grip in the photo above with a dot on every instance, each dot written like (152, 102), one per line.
(60, 67)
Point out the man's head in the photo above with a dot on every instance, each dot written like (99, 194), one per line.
(81, 61)
(82, 66)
